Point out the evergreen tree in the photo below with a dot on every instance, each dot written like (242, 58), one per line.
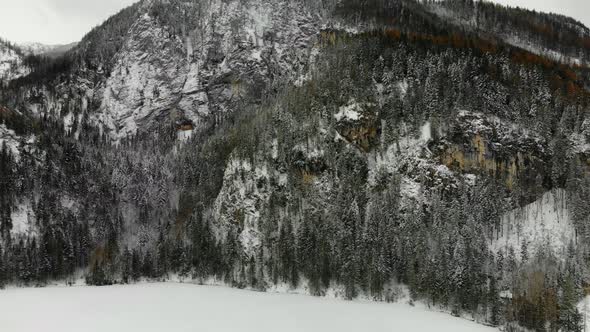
(569, 316)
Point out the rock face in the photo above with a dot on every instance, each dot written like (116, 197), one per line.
(228, 55)
(358, 124)
(11, 63)
(354, 144)
(147, 78)
(242, 201)
(52, 51)
(488, 146)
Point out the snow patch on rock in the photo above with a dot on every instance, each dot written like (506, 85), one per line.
(184, 135)
(350, 112)
(10, 140)
(244, 194)
(409, 152)
(236, 49)
(143, 83)
(426, 132)
(23, 220)
(11, 64)
(14, 143)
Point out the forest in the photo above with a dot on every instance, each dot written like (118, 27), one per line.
(286, 191)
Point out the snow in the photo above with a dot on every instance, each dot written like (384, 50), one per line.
(351, 112)
(579, 143)
(257, 55)
(426, 132)
(311, 150)
(155, 76)
(409, 188)
(511, 38)
(184, 135)
(470, 178)
(143, 81)
(244, 192)
(539, 50)
(409, 152)
(543, 223)
(35, 48)
(16, 144)
(259, 20)
(505, 294)
(584, 309)
(176, 307)
(275, 149)
(68, 122)
(11, 64)
(22, 221)
(306, 76)
(12, 141)
(403, 88)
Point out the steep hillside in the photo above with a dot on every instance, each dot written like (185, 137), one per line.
(176, 63)
(554, 36)
(11, 62)
(52, 51)
(354, 145)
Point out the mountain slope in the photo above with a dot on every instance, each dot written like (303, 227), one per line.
(557, 37)
(225, 55)
(11, 62)
(352, 144)
(52, 51)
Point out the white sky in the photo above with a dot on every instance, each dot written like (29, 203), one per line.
(65, 21)
(578, 9)
(54, 21)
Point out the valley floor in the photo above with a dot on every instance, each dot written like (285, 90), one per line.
(175, 307)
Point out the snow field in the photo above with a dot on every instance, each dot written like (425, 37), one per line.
(175, 307)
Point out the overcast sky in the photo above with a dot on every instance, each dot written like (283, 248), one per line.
(65, 21)
(54, 21)
(578, 9)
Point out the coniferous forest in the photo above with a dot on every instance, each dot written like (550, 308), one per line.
(381, 154)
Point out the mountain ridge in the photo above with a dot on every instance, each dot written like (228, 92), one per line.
(317, 144)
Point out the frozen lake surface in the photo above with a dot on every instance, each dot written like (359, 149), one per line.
(173, 307)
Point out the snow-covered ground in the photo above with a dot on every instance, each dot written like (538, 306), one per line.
(174, 307)
(544, 223)
(584, 308)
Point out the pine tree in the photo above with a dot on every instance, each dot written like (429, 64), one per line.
(6, 191)
(349, 236)
(287, 254)
(3, 268)
(494, 302)
(569, 317)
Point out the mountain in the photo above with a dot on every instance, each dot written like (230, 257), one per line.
(11, 60)
(557, 37)
(365, 146)
(16, 62)
(52, 51)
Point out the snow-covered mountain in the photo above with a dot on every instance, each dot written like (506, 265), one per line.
(35, 48)
(313, 144)
(236, 51)
(557, 37)
(11, 62)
